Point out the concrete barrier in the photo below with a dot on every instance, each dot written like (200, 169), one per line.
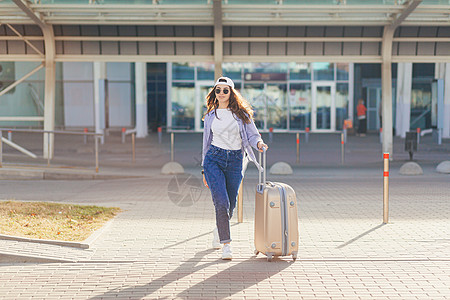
(281, 168)
(411, 168)
(171, 168)
(444, 167)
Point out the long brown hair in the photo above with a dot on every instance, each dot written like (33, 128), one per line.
(237, 104)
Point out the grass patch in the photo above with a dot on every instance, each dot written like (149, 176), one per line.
(53, 221)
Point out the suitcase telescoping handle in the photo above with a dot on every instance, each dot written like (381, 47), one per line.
(262, 184)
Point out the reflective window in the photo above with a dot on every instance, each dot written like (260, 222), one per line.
(341, 104)
(421, 95)
(265, 71)
(323, 71)
(323, 105)
(205, 71)
(420, 105)
(299, 71)
(342, 71)
(232, 70)
(182, 71)
(276, 106)
(25, 99)
(300, 105)
(183, 105)
(254, 93)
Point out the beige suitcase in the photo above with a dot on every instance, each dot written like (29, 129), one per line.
(276, 221)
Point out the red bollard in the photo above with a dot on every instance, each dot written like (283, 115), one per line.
(418, 135)
(85, 136)
(270, 134)
(123, 135)
(307, 135)
(386, 188)
(159, 134)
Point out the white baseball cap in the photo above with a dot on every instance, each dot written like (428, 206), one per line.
(226, 81)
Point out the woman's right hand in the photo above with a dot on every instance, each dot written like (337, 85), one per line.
(204, 181)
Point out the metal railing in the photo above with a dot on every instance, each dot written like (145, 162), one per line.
(49, 133)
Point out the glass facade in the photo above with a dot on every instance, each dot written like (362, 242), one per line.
(421, 96)
(281, 94)
(183, 105)
(27, 98)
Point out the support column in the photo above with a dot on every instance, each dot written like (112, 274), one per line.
(141, 99)
(49, 93)
(386, 87)
(404, 84)
(218, 38)
(99, 98)
(446, 128)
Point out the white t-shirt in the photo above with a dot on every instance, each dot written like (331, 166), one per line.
(226, 130)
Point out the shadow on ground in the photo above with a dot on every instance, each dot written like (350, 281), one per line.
(224, 284)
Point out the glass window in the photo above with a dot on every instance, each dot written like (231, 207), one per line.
(342, 71)
(420, 105)
(205, 71)
(266, 67)
(182, 71)
(232, 70)
(183, 105)
(254, 93)
(341, 104)
(323, 71)
(276, 106)
(299, 71)
(300, 106)
(25, 99)
(423, 75)
(119, 71)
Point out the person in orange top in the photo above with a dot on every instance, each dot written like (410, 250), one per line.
(361, 111)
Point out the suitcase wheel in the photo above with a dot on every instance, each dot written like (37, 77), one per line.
(269, 257)
(294, 256)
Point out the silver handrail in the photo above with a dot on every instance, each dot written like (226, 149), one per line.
(48, 132)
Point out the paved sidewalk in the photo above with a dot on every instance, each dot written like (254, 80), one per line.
(159, 247)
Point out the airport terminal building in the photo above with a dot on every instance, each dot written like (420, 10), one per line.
(103, 64)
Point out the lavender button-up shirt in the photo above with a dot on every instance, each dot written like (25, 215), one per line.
(249, 134)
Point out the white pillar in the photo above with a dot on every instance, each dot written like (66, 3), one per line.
(218, 38)
(351, 85)
(141, 99)
(49, 97)
(99, 98)
(446, 129)
(404, 84)
(386, 89)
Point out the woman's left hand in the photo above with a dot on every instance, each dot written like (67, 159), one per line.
(261, 145)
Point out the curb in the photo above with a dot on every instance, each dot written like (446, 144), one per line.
(6, 257)
(16, 174)
(49, 242)
(94, 236)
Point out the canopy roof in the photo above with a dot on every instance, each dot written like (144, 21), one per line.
(234, 12)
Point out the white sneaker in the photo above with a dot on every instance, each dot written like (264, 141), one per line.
(216, 242)
(227, 254)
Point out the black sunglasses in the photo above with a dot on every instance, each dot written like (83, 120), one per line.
(225, 91)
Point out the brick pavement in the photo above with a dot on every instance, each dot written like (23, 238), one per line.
(158, 250)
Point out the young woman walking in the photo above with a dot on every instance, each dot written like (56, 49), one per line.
(229, 133)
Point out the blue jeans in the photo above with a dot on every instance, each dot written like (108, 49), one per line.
(223, 173)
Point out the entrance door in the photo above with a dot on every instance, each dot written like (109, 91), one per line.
(373, 104)
(323, 115)
(202, 89)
